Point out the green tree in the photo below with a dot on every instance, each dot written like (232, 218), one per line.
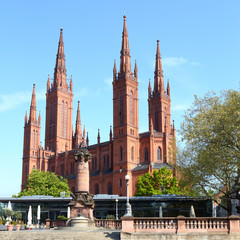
(210, 157)
(160, 182)
(45, 183)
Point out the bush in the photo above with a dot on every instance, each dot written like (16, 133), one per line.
(14, 223)
(110, 216)
(18, 216)
(8, 212)
(4, 221)
(62, 217)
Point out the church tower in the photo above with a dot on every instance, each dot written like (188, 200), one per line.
(59, 96)
(159, 110)
(125, 117)
(31, 141)
(159, 102)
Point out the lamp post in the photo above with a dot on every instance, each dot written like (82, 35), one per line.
(128, 205)
(116, 209)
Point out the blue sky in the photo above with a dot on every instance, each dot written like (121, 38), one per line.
(199, 43)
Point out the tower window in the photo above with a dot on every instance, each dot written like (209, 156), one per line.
(121, 108)
(96, 189)
(62, 109)
(132, 153)
(159, 157)
(121, 154)
(156, 121)
(131, 108)
(95, 163)
(107, 161)
(65, 120)
(146, 155)
(104, 161)
(62, 169)
(109, 188)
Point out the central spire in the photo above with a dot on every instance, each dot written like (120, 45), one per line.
(158, 74)
(78, 130)
(33, 108)
(60, 69)
(125, 61)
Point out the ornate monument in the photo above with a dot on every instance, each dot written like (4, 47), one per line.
(82, 203)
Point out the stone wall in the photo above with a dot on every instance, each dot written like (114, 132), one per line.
(184, 236)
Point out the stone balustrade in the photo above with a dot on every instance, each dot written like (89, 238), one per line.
(181, 224)
(108, 223)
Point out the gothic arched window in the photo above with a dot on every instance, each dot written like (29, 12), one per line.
(65, 120)
(156, 121)
(121, 154)
(146, 155)
(121, 108)
(109, 187)
(131, 108)
(96, 189)
(107, 161)
(132, 153)
(62, 109)
(159, 157)
(104, 161)
(95, 163)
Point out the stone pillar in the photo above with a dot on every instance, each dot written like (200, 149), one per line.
(234, 224)
(82, 176)
(181, 224)
(127, 224)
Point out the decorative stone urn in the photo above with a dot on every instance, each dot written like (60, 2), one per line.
(82, 203)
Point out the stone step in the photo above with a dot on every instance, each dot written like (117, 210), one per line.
(60, 235)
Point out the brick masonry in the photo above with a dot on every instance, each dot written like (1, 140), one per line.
(126, 152)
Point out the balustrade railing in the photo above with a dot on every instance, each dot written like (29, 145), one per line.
(108, 223)
(181, 224)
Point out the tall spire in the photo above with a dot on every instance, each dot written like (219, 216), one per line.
(168, 88)
(158, 74)
(110, 134)
(33, 108)
(98, 138)
(60, 69)
(114, 71)
(149, 89)
(39, 118)
(48, 83)
(125, 61)
(87, 140)
(136, 70)
(26, 118)
(78, 130)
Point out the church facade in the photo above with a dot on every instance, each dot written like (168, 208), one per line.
(126, 152)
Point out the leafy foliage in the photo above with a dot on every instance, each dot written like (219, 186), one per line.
(18, 215)
(45, 183)
(8, 212)
(210, 157)
(160, 182)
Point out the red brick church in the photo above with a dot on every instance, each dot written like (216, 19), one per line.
(126, 152)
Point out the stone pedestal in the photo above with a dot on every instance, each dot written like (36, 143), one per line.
(82, 203)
